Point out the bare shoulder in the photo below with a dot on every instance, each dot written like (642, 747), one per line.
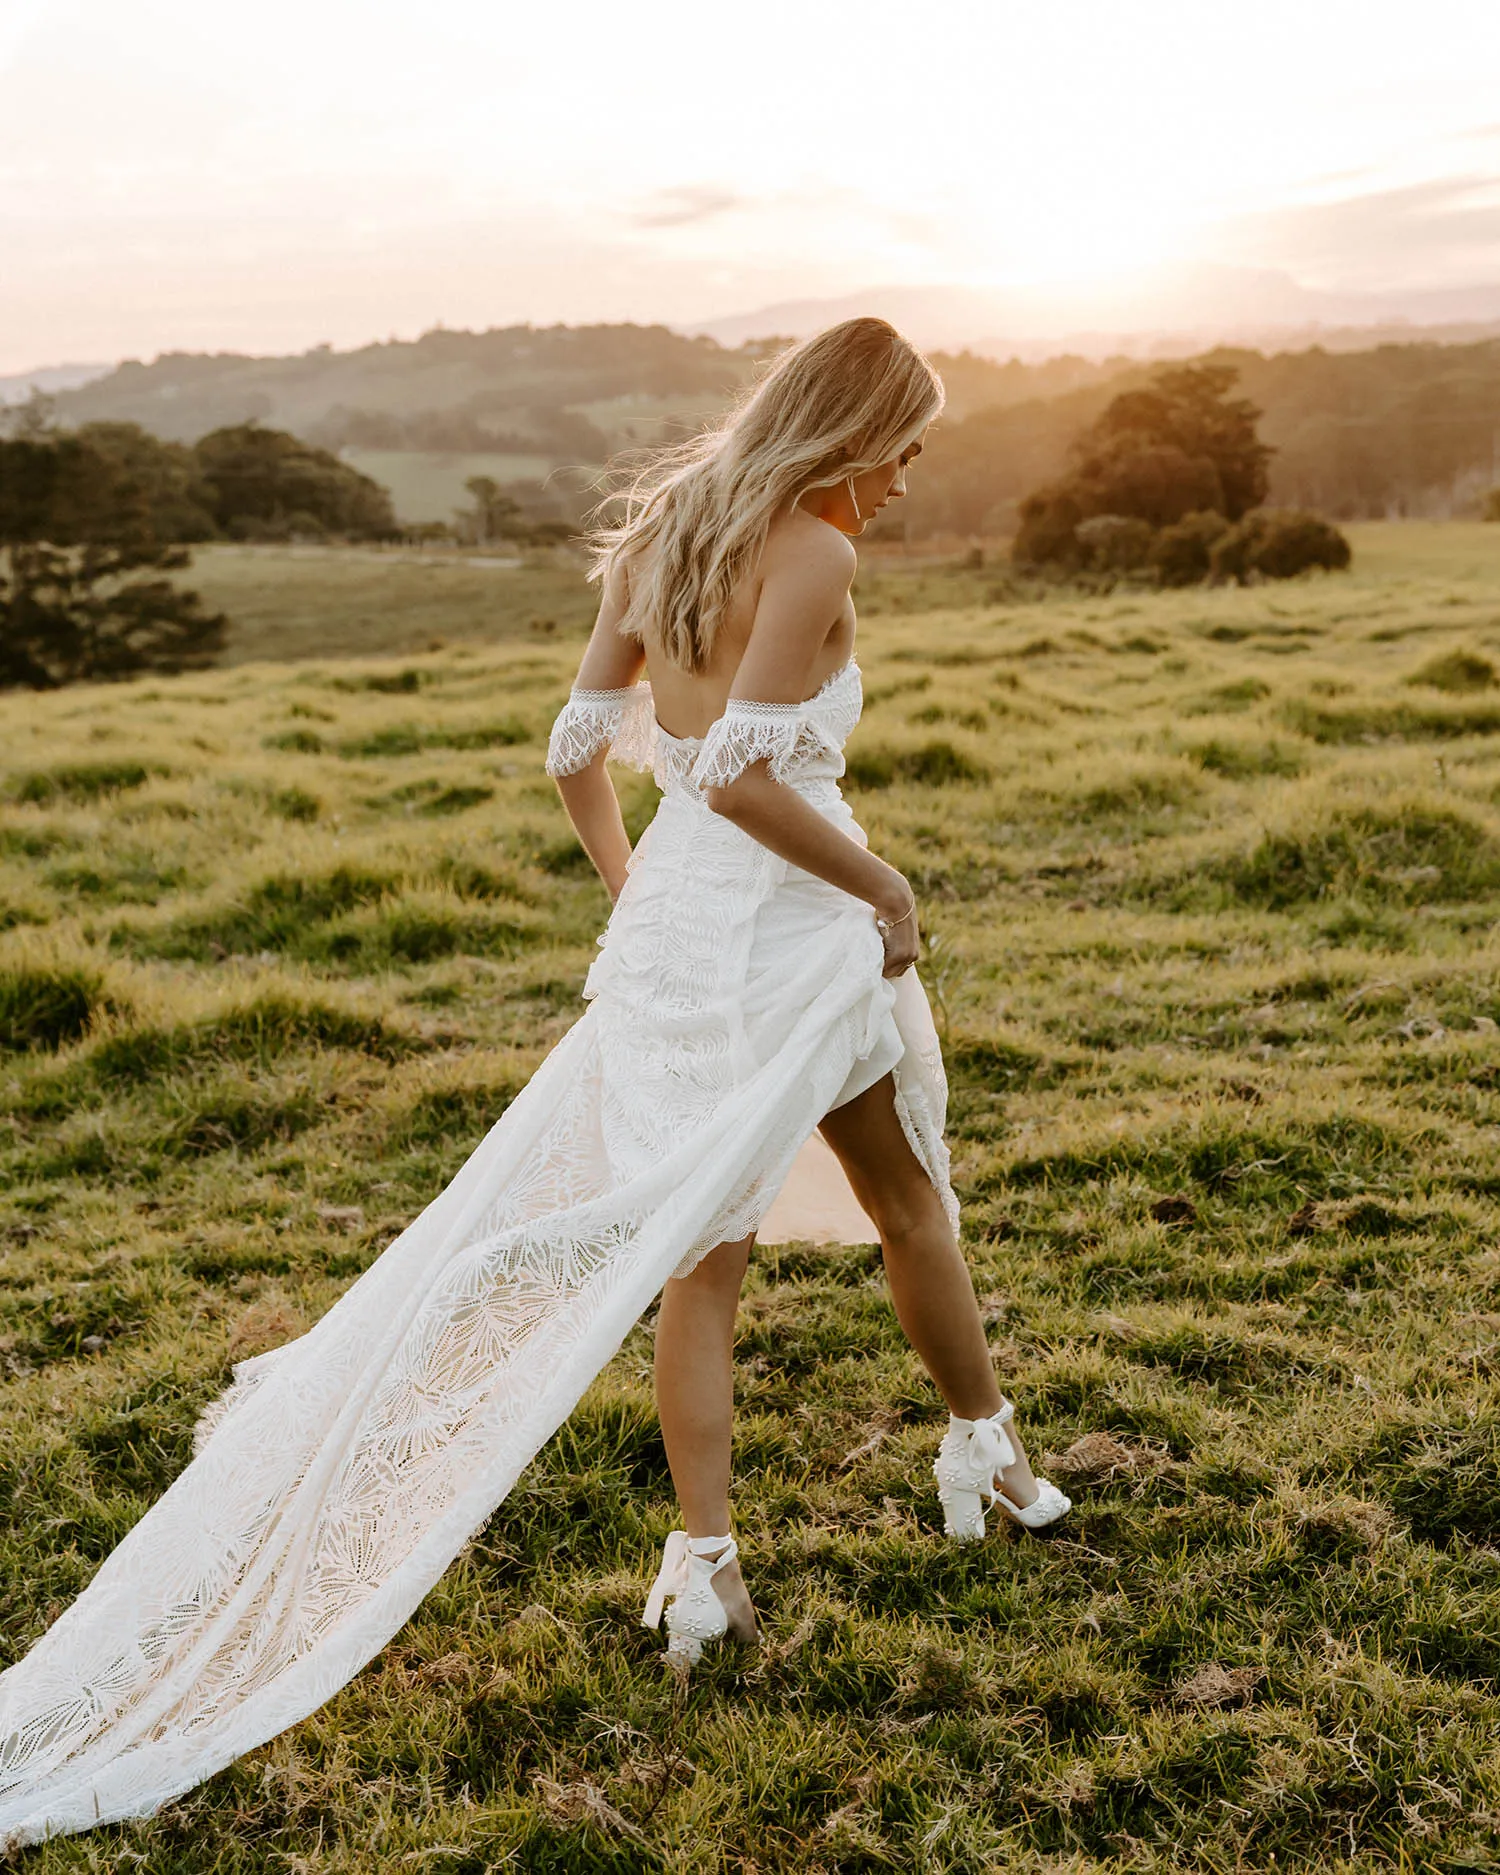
(806, 552)
(805, 574)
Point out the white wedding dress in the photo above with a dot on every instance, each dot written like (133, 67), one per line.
(734, 1001)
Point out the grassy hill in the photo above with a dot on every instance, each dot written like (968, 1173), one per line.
(1392, 430)
(503, 381)
(620, 384)
(1210, 883)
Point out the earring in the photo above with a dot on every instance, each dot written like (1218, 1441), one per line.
(849, 483)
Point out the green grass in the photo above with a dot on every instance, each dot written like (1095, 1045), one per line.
(430, 485)
(1219, 994)
(340, 602)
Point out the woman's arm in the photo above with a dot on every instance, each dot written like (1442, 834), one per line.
(802, 595)
(610, 662)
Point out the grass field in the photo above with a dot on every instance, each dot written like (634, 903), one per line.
(1211, 882)
(429, 485)
(345, 602)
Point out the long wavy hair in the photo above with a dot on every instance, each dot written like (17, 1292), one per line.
(836, 405)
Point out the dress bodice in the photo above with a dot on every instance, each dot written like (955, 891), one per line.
(802, 742)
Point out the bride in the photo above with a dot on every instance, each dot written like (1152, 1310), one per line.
(753, 990)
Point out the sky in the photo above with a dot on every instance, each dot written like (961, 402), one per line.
(201, 177)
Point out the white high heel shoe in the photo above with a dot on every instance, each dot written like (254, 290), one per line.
(973, 1454)
(695, 1614)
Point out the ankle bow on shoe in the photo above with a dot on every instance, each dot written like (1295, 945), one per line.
(973, 1454)
(695, 1614)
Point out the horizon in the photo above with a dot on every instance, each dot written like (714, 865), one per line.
(168, 183)
(1129, 345)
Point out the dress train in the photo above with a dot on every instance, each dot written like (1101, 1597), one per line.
(734, 1000)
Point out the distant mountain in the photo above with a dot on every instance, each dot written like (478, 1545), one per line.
(1160, 309)
(561, 392)
(49, 379)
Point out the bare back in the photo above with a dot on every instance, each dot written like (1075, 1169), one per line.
(687, 702)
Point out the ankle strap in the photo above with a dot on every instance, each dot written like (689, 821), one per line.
(677, 1559)
(1006, 1413)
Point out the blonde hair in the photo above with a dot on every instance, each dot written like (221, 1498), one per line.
(836, 405)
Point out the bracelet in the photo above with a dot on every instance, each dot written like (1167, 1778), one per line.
(889, 924)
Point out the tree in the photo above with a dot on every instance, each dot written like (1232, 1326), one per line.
(1156, 483)
(75, 528)
(267, 485)
(1279, 543)
(1115, 543)
(1181, 555)
(168, 476)
(495, 515)
(1048, 534)
(1187, 409)
(526, 514)
(1177, 446)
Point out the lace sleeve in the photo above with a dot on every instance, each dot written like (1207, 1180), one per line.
(750, 732)
(621, 722)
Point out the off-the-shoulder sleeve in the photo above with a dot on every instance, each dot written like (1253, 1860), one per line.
(747, 732)
(621, 722)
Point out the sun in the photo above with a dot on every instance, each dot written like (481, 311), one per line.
(1063, 235)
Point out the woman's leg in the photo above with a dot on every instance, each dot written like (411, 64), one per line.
(930, 1283)
(695, 1402)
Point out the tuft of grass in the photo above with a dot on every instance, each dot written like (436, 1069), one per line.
(46, 1007)
(1132, 792)
(456, 800)
(79, 781)
(1245, 761)
(1411, 854)
(296, 742)
(396, 739)
(935, 764)
(294, 804)
(1457, 672)
(1391, 722)
(1226, 698)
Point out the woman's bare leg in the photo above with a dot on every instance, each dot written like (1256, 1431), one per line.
(695, 1402)
(930, 1283)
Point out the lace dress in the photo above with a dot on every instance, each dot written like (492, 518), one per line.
(735, 999)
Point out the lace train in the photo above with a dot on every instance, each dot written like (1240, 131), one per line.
(731, 1000)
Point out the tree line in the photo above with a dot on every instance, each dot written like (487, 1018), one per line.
(1398, 431)
(242, 482)
(95, 521)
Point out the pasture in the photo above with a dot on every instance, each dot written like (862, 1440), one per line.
(321, 601)
(1210, 882)
(430, 485)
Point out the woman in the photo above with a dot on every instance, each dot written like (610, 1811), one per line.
(753, 984)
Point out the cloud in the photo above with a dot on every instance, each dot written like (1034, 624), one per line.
(682, 207)
(16, 23)
(1441, 233)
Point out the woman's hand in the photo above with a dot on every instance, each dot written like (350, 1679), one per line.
(896, 920)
